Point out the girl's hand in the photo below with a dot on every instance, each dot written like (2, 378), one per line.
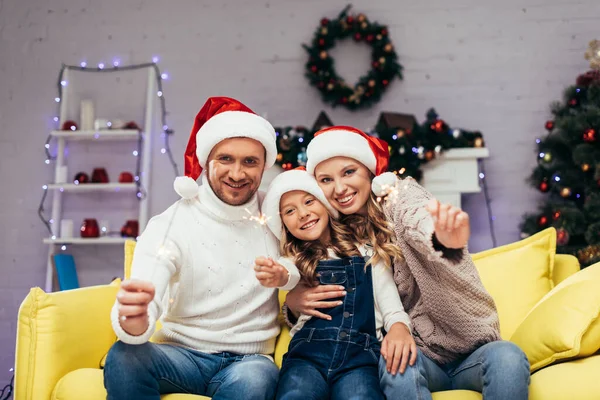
(270, 273)
(398, 349)
(451, 224)
(306, 300)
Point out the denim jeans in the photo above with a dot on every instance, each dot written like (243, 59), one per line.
(144, 372)
(498, 370)
(336, 359)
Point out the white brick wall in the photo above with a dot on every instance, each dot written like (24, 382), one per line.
(483, 64)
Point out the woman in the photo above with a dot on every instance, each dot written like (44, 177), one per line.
(455, 322)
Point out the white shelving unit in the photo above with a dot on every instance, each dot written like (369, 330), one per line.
(60, 189)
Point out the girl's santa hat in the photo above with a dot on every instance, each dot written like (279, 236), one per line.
(346, 141)
(288, 181)
(221, 118)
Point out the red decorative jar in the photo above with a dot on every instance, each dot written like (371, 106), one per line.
(99, 175)
(89, 228)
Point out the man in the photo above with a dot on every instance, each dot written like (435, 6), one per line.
(219, 323)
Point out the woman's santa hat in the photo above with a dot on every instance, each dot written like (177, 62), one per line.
(288, 181)
(345, 141)
(221, 118)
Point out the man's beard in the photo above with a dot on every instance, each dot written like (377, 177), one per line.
(229, 199)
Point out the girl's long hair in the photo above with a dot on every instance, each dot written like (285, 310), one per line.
(373, 229)
(307, 255)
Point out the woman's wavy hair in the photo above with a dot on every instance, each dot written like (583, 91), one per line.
(373, 229)
(307, 254)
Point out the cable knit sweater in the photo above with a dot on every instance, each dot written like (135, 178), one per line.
(216, 303)
(440, 288)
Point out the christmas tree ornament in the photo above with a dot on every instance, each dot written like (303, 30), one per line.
(542, 221)
(589, 135)
(456, 133)
(585, 167)
(401, 150)
(565, 192)
(302, 158)
(429, 155)
(556, 215)
(324, 22)
(69, 126)
(544, 187)
(364, 25)
(562, 237)
(323, 55)
(593, 54)
(547, 157)
(279, 157)
(361, 18)
(573, 102)
(549, 125)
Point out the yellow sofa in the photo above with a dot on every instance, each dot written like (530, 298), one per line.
(63, 337)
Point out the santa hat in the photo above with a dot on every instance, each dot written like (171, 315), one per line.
(288, 181)
(345, 141)
(221, 118)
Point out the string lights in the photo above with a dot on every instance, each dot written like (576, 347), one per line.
(165, 134)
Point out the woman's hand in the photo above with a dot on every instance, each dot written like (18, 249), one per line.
(451, 224)
(305, 300)
(398, 349)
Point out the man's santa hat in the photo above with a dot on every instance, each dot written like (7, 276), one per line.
(288, 181)
(221, 118)
(345, 141)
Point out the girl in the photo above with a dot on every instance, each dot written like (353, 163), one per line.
(455, 323)
(336, 357)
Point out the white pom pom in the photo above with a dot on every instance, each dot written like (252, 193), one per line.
(383, 184)
(186, 187)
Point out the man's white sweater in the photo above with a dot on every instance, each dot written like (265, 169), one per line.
(206, 265)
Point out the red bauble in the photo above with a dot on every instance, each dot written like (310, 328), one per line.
(130, 229)
(69, 126)
(324, 22)
(357, 37)
(375, 64)
(344, 100)
(438, 126)
(562, 237)
(384, 32)
(542, 221)
(573, 102)
(385, 82)
(544, 187)
(321, 42)
(549, 125)
(125, 177)
(89, 228)
(81, 177)
(370, 38)
(286, 166)
(350, 19)
(313, 68)
(321, 85)
(556, 215)
(589, 135)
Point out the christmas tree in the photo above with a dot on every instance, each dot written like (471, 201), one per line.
(568, 169)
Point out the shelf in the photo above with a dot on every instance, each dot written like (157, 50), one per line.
(93, 187)
(107, 134)
(100, 240)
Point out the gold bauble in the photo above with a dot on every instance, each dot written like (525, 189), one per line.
(330, 86)
(548, 157)
(382, 60)
(400, 133)
(323, 55)
(378, 37)
(371, 83)
(388, 47)
(565, 192)
(364, 25)
(361, 17)
(324, 31)
(585, 167)
(279, 157)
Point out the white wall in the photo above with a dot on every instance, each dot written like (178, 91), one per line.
(483, 64)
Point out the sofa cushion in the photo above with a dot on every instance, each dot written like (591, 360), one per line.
(517, 276)
(88, 384)
(576, 379)
(565, 323)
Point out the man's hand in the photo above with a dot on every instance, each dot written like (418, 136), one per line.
(134, 296)
(306, 300)
(398, 349)
(451, 224)
(270, 273)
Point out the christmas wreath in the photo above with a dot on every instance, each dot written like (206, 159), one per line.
(320, 69)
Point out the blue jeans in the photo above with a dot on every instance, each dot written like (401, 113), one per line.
(498, 370)
(144, 372)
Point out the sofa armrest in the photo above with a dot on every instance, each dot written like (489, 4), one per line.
(577, 379)
(565, 265)
(58, 333)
